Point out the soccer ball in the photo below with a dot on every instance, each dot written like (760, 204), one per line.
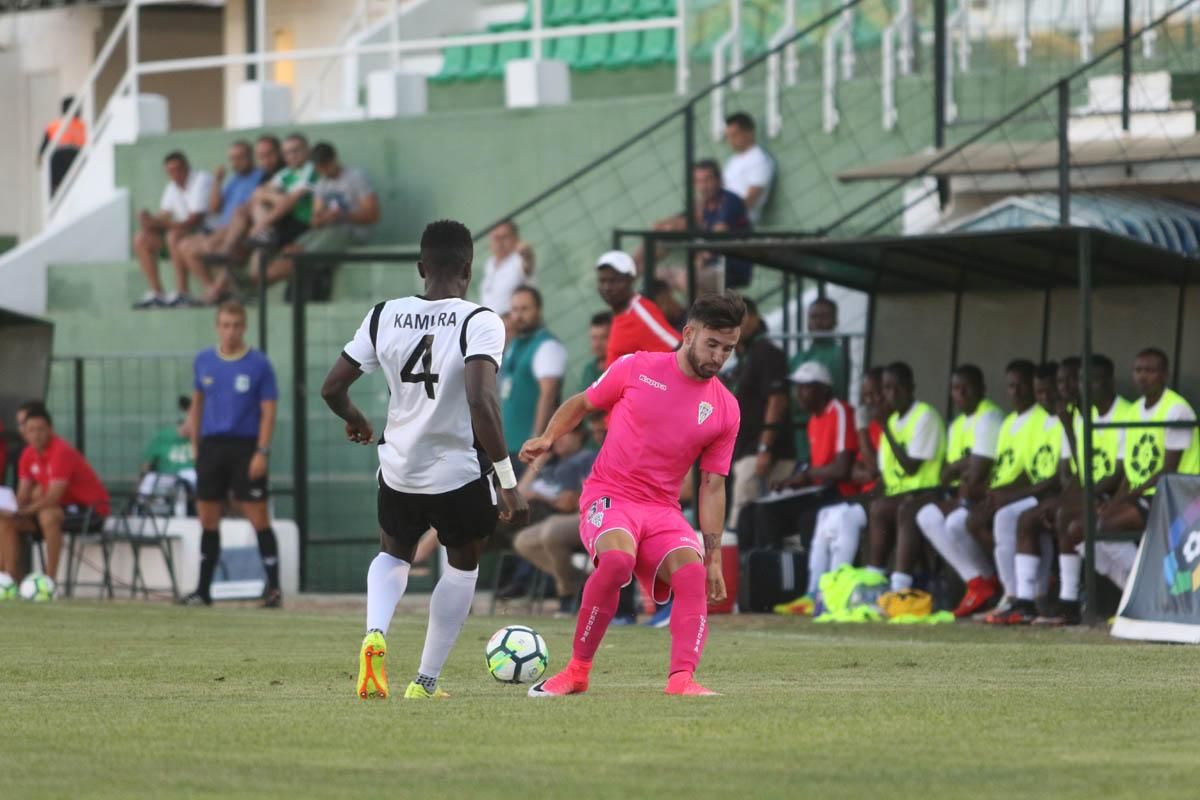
(516, 654)
(8, 588)
(37, 587)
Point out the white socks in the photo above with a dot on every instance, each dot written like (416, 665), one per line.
(1069, 565)
(1004, 531)
(901, 581)
(1026, 568)
(845, 546)
(448, 610)
(835, 540)
(948, 535)
(386, 581)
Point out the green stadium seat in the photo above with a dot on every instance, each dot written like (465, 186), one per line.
(507, 52)
(480, 60)
(595, 51)
(567, 48)
(592, 11)
(621, 9)
(653, 8)
(560, 12)
(658, 47)
(624, 50)
(453, 63)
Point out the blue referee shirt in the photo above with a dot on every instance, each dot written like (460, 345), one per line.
(233, 391)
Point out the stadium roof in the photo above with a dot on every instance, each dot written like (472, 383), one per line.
(1025, 258)
(994, 158)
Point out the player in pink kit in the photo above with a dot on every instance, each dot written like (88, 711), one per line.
(666, 410)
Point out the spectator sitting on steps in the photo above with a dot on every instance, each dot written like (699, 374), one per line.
(182, 211)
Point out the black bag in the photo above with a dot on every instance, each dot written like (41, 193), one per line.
(770, 577)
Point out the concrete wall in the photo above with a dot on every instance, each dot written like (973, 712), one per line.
(98, 235)
(1000, 326)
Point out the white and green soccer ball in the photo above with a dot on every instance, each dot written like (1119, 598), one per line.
(8, 587)
(37, 587)
(517, 654)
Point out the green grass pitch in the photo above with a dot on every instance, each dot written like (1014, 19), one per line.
(132, 700)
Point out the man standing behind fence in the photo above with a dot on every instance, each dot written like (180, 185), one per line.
(232, 420)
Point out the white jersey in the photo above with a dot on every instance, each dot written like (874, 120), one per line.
(428, 445)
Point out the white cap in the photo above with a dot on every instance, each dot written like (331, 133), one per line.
(812, 372)
(618, 260)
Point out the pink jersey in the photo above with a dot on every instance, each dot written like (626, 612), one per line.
(661, 421)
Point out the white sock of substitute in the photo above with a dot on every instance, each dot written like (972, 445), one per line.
(1026, 568)
(1005, 552)
(1069, 565)
(386, 581)
(448, 609)
(901, 581)
(845, 544)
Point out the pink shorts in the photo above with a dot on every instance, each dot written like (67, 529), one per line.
(657, 531)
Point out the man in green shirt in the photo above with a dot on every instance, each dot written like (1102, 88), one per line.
(598, 346)
(822, 320)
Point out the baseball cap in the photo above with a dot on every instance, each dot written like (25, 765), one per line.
(618, 260)
(812, 372)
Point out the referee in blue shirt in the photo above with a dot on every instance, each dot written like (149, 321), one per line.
(233, 416)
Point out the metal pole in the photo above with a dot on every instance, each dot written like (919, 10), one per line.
(131, 61)
(788, 344)
(300, 417)
(1126, 62)
(260, 37)
(1180, 307)
(265, 256)
(78, 410)
(1064, 153)
(649, 262)
(939, 91)
(394, 31)
(535, 50)
(958, 299)
(870, 332)
(1045, 325)
(1085, 388)
(689, 155)
(252, 23)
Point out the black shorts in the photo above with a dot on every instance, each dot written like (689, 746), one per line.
(222, 465)
(289, 229)
(462, 516)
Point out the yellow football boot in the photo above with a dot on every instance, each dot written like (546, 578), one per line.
(372, 676)
(416, 691)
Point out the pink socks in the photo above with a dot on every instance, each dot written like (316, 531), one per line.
(689, 617)
(601, 594)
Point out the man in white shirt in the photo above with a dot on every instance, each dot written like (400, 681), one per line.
(509, 266)
(749, 171)
(181, 213)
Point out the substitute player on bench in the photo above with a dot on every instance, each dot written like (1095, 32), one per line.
(666, 410)
(442, 441)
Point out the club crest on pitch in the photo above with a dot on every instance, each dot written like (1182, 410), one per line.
(704, 412)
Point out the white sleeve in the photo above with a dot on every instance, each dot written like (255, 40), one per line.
(164, 203)
(550, 360)
(925, 438)
(1180, 438)
(360, 350)
(197, 194)
(1066, 444)
(760, 171)
(987, 434)
(483, 335)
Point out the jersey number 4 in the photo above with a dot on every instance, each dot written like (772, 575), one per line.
(424, 355)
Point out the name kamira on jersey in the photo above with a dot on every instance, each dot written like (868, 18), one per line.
(425, 321)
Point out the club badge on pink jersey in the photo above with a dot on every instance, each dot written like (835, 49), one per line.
(595, 512)
(705, 410)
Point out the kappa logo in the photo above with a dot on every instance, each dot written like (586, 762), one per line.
(662, 387)
(704, 412)
(1146, 456)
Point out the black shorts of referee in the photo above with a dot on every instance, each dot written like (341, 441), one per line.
(223, 465)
